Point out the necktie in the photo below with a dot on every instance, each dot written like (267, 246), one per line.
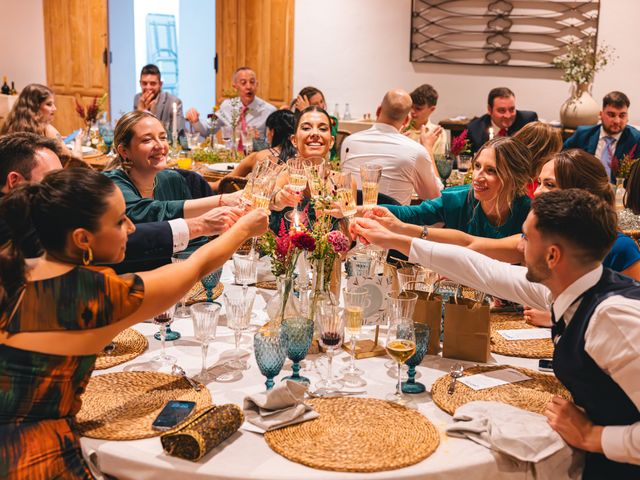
(503, 132)
(243, 125)
(607, 154)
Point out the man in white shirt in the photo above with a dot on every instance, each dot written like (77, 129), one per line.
(596, 316)
(406, 165)
(613, 138)
(250, 110)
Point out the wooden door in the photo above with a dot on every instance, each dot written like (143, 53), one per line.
(76, 45)
(256, 34)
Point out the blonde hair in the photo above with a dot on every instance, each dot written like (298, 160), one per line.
(542, 140)
(123, 134)
(24, 116)
(513, 160)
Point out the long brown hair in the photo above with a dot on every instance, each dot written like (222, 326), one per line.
(123, 134)
(513, 159)
(632, 187)
(542, 140)
(576, 168)
(24, 116)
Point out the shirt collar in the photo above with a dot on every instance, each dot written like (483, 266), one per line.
(605, 134)
(573, 291)
(385, 127)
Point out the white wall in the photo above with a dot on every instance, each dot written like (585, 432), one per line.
(22, 57)
(123, 78)
(356, 50)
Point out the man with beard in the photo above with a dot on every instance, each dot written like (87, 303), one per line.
(613, 138)
(595, 311)
(154, 100)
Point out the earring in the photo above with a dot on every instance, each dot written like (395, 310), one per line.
(87, 256)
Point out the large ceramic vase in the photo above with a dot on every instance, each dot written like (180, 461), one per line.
(580, 108)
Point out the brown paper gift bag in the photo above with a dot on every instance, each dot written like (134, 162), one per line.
(428, 310)
(467, 334)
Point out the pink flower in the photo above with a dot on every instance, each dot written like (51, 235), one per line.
(338, 241)
(303, 241)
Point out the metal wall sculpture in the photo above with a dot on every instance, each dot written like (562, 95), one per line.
(512, 33)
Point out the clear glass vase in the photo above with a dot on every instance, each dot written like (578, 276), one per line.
(283, 304)
(321, 287)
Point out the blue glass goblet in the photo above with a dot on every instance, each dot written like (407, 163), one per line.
(422, 333)
(444, 164)
(296, 335)
(210, 281)
(270, 355)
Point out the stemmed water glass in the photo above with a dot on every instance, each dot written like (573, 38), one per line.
(296, 335)
(209, 282)
(245, 270)
(400, 345)
(355, 301)
(410, 274)
(422, 334)
(163, 320)
(331, 330)
(270, 355)
(444, 164)
(205, 320)
(238, 310)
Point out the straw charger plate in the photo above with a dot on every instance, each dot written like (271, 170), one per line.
(538, 348)
(128, 345)
(532, 395)
(357, 435)
(123, 405)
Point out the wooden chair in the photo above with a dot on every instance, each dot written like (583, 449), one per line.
(230, 184)
(340, 136)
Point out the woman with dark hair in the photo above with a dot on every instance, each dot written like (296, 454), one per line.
(313, 97)
(632, 186)
(33, 112)
(57, 315)
(279, 126)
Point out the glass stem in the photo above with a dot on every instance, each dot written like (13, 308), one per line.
(329, 366)
(205, 349)
(245, 289)
(399, 385)
(238, 336)
(163, 337)
(352, 367)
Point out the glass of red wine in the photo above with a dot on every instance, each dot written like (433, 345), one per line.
(163, 320)
(331, 328)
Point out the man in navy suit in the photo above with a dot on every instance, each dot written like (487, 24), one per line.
(612, 139)
(501, 120)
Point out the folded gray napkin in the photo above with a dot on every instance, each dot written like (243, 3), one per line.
(523, 435)
(283, 405)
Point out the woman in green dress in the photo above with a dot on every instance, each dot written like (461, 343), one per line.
(56, 315)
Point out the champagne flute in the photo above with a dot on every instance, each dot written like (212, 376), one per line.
(370, 179)
(238, 312)
(205, 321)
(400, 345)
(399, 305)
(315, 170)
(163, 319)
(345, 193)
(297, 175)
(331, 329)
(355, 301)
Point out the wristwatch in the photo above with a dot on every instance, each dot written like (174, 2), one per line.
(425, 233)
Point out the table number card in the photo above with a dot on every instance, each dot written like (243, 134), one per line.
(492, 379)
(377, 289)
(526, 334)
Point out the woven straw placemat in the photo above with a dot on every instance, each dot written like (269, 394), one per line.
(506, 316)
(123, 405)
(199, 294)
(357, 435)
(128, 344)
(532, 395)
(268, 285)
(539, 348)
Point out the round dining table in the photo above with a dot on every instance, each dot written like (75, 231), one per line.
(246, 455)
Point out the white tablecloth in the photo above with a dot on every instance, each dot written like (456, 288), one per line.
(246, 455)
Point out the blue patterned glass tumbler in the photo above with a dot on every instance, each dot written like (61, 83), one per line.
(422, 333)
(210, 281)
(296, 335)
(270, 355)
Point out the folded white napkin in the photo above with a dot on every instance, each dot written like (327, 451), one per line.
(283, 405)
(523, 435)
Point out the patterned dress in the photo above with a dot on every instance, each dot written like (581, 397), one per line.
(40, 393)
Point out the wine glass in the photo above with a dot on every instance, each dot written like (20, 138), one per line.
(331, 330)
(370, 179)
(422, 334)
(238, 310)
(399, 305)
(296, 335)
(210, 281)
(226, 132)
(400, 345)
(315, 170)
(163, 320)
(345, 192)
(182, 311)
(444, 164)
(245, 268)
(205, 320)
(355, 301)
(411, 274)
(270, 355)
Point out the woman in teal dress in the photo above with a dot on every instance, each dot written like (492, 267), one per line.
(494, 205)
(56, 315)
(152, 192)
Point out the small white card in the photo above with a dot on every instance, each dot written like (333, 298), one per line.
(526, 333)
(493, 379)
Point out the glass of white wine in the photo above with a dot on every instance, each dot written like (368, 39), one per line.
(355, 302)
(297, 175)
(401, 345)
(370, 179)
(345, 192)
(315, 170)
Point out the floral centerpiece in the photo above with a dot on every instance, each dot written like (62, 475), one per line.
(231, 120)
(89, 115)
(622, 168)
(461, 145)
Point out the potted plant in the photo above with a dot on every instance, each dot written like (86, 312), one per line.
(579, 65)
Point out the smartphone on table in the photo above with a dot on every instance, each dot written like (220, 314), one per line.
(545, 365)
(174, 412)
